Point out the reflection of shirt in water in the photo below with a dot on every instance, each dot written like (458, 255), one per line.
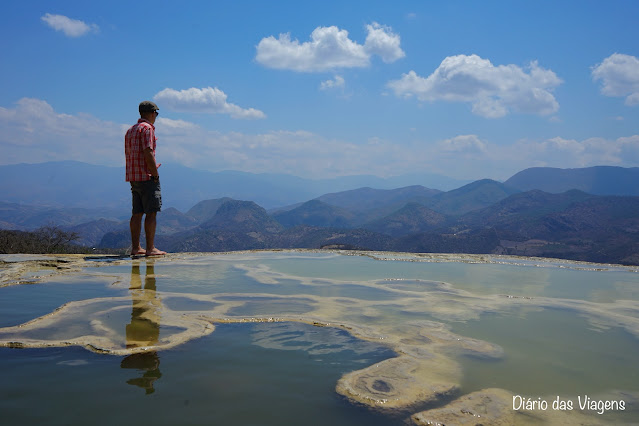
(144, 328)
(149, 362)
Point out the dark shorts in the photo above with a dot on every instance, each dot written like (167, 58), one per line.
(146, 196)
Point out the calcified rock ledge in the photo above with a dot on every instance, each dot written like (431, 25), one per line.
(495, 407)
(424, 370)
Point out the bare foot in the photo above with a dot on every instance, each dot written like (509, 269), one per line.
(139, 252)
(155, 252)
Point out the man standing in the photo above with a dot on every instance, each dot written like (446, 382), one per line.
(142, 173)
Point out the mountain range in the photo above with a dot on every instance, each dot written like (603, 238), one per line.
(598, 180)
(80, 185)
(533, 213)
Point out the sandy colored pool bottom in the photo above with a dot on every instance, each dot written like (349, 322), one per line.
(424, 372)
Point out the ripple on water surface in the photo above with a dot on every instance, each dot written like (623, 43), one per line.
(268, 374)
(548, 352)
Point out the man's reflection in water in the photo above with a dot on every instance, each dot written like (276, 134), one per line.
(144, 328)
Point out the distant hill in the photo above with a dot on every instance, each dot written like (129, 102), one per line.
(75, 184)
(206, 209)
(91, 233)
(363, 199)
(473, 196)
(606, 227)
(369, 204)
(243, 225)
(29, 217)
(598, 180)
(241, 216)
(236, 225)
(316, 213)
(571, 225)
(347, 239)
(484, 240)
(481, 217)
(413, 218)
(64, 184)
(522, 207)
(170, 221)
(121, 238)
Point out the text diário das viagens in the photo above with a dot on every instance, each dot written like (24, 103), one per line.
(583, 402)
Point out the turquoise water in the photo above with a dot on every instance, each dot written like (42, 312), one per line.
(587, 361)
(480, 278)
(225, 378)
(528, 326)
(21, 303)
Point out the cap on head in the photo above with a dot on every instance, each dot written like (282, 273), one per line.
(148, 106)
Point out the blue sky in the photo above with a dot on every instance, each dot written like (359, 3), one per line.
(465, 89)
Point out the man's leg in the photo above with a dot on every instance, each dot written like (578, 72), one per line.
(149, 229)
(136, 227)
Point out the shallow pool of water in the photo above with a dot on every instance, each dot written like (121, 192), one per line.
(551, 352)
(241, 374)
(287, 337)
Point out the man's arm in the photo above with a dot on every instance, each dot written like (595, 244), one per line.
(150, 162)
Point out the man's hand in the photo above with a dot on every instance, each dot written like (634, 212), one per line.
(151, 167)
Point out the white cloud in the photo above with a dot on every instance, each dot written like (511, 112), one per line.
(299, 153)
(70, 27)
(169, 125)
(208, 100)
(620, 77)
(463, 145)
(470, 157)
(567, 153)
(383, 42)
(493, 91)
(629, 149)
(337, 83)
(32, 131)
(329, 48)
(464, 156)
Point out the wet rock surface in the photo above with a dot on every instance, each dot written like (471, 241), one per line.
(487, 407)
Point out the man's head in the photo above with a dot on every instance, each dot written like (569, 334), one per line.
(148, 111)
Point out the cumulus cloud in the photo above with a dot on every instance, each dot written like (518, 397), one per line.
(208, 100)
(337, 83)
(566, 153)
(383, 42)
(70, 27)
(463, 145)
(169, 125)
(298, 152)
(463, 157)
(329, 48)
(493, 91)
(470, 157)
(629, 149)
(619, 75)
(32, 131)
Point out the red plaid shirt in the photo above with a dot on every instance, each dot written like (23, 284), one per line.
(137, 139)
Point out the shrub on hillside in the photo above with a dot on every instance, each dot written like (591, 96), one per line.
(48, 239)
